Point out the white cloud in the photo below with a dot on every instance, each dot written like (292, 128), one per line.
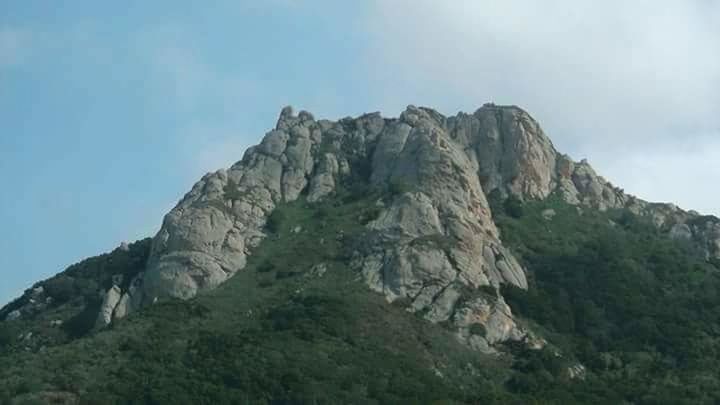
(607, 80)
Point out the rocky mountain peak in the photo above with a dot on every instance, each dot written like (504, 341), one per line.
(434, 238)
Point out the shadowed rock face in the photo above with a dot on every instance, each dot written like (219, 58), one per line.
(432, 241)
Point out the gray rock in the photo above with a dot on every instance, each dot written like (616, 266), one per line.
(110, 301)
(205, 239)
(513, 153)
(548, 214)
(131, 299)
(433, 240)
(14, 315)
(494, 315)
(681, 232)
(415, 252)
(323, 183)
(577, 371)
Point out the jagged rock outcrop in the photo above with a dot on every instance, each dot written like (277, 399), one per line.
(110, 301)
(434, 243)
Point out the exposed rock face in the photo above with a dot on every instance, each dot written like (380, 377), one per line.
(496, 319)
(681, 231)
(207, 237)
(131, 299)
(434, 243)
(110, 301)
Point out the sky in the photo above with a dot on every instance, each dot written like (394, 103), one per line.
(110, 111)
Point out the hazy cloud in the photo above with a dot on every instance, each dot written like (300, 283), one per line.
(622, 83)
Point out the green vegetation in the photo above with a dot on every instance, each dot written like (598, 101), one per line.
(275, 333)
(637, 309)
(72, 297)
(607, 290)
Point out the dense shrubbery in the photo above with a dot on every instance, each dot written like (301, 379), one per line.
(301, 338)
(622, 298)
(607, 290)
(275, 221)
(8, 334)
(513, 207)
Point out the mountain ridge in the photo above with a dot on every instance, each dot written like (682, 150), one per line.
(442, 172)
(461, 259)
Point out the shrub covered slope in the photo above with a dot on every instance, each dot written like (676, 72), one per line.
(638, 310)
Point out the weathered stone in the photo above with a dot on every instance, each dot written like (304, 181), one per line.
(681, 232)
(434, 238)
(323, 183)
(14, 315)
(548, 214)
(131, 300)
(112, 297)
(576, 371)
(513, 153)
(494, 315)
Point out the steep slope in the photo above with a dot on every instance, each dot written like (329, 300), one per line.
(291, 256)
(433, 240)
(297, 326)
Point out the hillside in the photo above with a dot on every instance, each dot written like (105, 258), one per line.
(371, 260)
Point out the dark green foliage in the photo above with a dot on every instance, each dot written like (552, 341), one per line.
(275, 333)
(607, 290)
(488, 290)
(275, 221)
(397, 187)
(478, 329)
(266, 266)
(625, 300)
(61, 288)
(82, 323)
(495, 202)
(513, 206)
(98, 271)
(71, 297)
(8, 334)
(510, 206)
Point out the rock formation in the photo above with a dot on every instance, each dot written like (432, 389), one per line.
(434, 243)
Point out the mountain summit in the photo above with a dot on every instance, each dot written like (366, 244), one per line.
(431, 240)
(455, 223)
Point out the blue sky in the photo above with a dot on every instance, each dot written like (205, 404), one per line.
(110, 111)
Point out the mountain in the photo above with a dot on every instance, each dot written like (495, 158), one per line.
(372, 260)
